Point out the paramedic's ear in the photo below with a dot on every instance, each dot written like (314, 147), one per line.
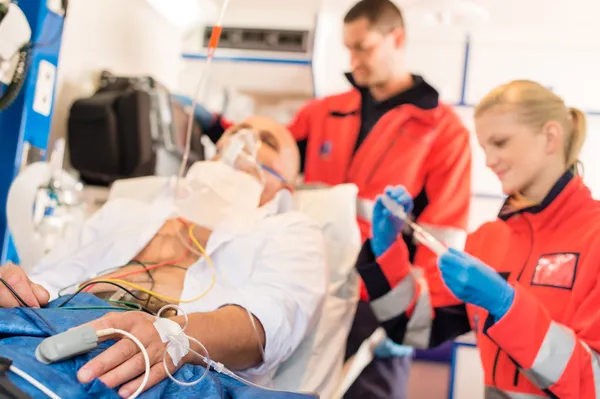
(554, 138)
(399, 35)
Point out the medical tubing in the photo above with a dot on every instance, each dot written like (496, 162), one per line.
(18, 80)
(145, 268)
(14, 293)
(233, 375)
(111, 331)
(160, 264)
(56, 264)
(216, 366)
(260, 169)
(119, 283)
(168, 298)
(188, 133)
(148, 268)
(260, 347)
(179, 311)
(152, 293)
(70, 298)
(205, 359)
(33, 382)
(202, 252)
(220, 368)
(113, 308)
(95, 275)
(212, 46)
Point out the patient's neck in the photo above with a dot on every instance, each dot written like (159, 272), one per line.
(173, 241)
(174, 248)
(200, 234)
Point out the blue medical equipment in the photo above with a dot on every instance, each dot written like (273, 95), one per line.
(25, 124)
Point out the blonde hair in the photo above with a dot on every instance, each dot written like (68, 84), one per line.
(535, 106)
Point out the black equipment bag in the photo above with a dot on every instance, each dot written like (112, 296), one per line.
(105, 146)
(116, 133)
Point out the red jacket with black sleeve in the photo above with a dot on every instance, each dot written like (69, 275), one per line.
(419, 143)
(548, 343)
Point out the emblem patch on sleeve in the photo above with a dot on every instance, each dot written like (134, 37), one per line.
(325, 149)
(556, 270)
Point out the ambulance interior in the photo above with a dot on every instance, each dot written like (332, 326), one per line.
(275, 55)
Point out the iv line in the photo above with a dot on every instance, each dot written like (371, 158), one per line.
(212, 46)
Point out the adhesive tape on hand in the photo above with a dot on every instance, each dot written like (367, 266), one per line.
(178, 343)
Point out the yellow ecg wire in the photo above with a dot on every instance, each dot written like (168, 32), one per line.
(170, 299)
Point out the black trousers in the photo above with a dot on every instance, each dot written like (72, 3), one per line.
(383, 378)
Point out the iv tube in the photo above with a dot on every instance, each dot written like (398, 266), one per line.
(212, 46)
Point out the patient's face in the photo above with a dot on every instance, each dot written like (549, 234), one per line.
(278, 151)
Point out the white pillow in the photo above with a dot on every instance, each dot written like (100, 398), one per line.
(316, 366)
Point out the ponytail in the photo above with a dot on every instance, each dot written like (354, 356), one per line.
(576, 138)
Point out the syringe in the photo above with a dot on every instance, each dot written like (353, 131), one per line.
(421, 235)
(212, 46)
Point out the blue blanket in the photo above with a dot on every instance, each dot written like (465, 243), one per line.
(22, 330)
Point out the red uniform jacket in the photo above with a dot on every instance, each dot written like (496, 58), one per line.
(426, 150)
(547, 344)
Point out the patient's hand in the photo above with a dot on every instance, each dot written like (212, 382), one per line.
(33, 294)
(123, 361)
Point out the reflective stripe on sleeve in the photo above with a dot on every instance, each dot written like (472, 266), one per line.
(364, 209)
(595, 359)
(552, 357)
(395, 302)
(418, 329)
(495, 393)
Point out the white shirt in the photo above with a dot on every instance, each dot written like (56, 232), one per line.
(276, 268)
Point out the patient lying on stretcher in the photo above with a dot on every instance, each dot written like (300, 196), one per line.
(261, 259)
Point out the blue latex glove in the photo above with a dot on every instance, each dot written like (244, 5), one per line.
(474, 282)
(203, 116)
(389, 348)
(385, 226)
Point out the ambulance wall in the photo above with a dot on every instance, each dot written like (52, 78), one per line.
(244, 87)
(125, 37)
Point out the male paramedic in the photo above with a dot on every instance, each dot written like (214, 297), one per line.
(390, 128)
(261, 259)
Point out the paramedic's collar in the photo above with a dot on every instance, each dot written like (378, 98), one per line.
(421, 94)
(554, 202)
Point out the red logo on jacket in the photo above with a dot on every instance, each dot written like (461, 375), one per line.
(556, 270)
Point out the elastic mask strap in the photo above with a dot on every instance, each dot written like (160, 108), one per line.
(279, 177)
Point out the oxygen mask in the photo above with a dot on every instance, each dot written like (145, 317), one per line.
(240, 151)
(231, 184)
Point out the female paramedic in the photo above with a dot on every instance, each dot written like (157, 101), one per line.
(528, 283)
